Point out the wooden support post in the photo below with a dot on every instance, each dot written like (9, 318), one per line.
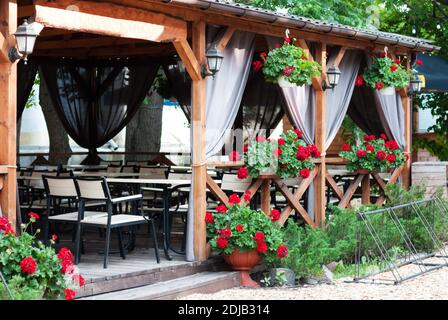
(199, 142)
(8, 76)
(319, 138)
(266, 196)
(406, 102)
(287, 125)
(365, 187)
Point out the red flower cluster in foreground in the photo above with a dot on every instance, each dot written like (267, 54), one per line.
(275, 215)
(242, 173)
(28, 265)
(261, 245)
(234, 199)
(209, 218)
(221, 208)
(234, 156)
(65, 256)
(69, 294)
(239, 228)
(359, 80)
(282, 251)
(5, 226)
(305, 173)
(257, 65)
(288, 70)
(247, 195)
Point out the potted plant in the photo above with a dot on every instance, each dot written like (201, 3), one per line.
(374, 154)
(288, 65)
(385, 75)
(287, 157)
(245, 237)
(33, 270)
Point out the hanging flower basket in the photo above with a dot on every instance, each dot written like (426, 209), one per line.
(385, 75)
(387, 91)
(287, 65)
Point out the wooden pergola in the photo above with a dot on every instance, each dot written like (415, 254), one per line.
(117, 28)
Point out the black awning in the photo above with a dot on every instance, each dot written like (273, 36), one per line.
(435, 70)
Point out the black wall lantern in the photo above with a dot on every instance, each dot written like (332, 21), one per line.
(214, 62)
(25, 39)
(333, 75)
(415, 85)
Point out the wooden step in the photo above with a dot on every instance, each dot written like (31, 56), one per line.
(203, 282)
(126, 279)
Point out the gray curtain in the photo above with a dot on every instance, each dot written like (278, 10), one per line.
(224, 93)
(338, 98)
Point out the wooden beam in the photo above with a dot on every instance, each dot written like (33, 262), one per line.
(8, 83)
(340, 56)
(217, 191)
(83, 43)
(25, 11)
(265, 194)
(4, 48)
(189, 59)
(222, 44)
(319, 139)
(109, 19)
(406, 102)
(198, 117)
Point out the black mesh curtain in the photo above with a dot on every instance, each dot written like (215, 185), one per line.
(96, 99)
(26, 74)
(261, 106)
(180, 86)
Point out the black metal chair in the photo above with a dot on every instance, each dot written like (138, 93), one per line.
(97, 189)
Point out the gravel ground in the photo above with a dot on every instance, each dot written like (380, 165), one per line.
(430, 286)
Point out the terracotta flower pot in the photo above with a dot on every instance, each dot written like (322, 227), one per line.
(244, 261)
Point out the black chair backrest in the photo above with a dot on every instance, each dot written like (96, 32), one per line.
(92, 188)
(60, 187)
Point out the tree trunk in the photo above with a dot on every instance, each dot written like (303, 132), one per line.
(144, 131)
(59, 141)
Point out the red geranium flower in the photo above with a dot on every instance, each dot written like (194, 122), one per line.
(359, 80)
(314, 151)
(259, 236)
(79, 280)
(260, 138)
(419, 62)
(381, 155)
(242, 173)
(397, 61)
(222, 243)
(288, 70)
(54, 237)
(69, 294)
(234, 156)
(281, 141)
(257, 65)
(5, 226)
(225, 233)
(383, 136)
(382, 54)
(234, 198)
(298, 133)
(346, 147)
(275, 215)
(33, 215)
(391, 145)
(239, 228)
(379, 85)
(282, 251)
(28, 265)
(370, 148)
(67, 266)
(209, 218)
(65, 254)
(288, 40)
(221, 208)
(393, 68)
(262, 247)
(305, 173)
(303, 153)
(361, 153)
(245, 148)
(247, 195)
(278, 45)
(277, 152)
(263, 54)
(369, 138)
(407, 157)
(390, 158)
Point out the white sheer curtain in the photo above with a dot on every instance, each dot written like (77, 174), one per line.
(224, 94)
(338, 98)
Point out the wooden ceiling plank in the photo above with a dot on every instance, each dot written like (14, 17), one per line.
(109, 19)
